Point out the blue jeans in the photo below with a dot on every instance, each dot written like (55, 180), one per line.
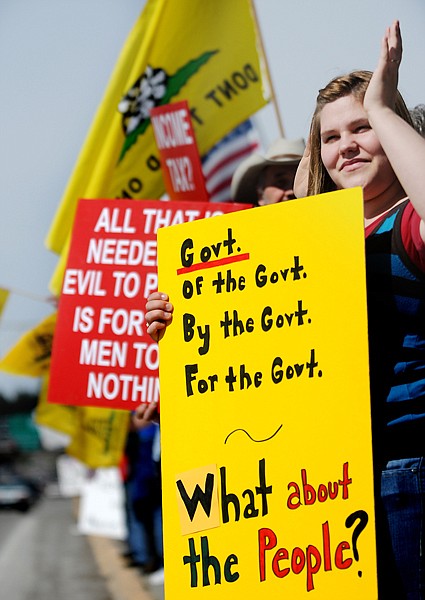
(403, 504)
(136, 537)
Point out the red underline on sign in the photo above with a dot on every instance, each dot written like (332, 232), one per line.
(214, 263)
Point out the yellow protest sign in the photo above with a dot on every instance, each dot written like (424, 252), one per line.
(265, 408)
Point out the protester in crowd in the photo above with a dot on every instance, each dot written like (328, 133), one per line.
(142, 485)
(362, 135)
(268, 179)
(418, 117)
(136, 553)
(147, 495)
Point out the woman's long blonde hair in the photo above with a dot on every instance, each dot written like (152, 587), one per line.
(354, 83)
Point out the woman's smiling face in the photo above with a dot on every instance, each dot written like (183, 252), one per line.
(350, 150)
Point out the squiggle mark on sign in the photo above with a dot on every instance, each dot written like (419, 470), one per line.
(251, 438)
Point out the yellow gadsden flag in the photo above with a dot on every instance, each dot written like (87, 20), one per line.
(100, 436)
(60, 417)
(4, 295)
(31, 354)
(202, 51)
(97, 435)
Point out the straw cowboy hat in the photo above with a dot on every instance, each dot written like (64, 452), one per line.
(245, 178)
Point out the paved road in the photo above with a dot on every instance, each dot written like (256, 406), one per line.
(42, 557)
(8, 522)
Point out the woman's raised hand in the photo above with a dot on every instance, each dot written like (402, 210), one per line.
(382, 88)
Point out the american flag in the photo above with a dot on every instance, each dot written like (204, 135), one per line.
(221, 161)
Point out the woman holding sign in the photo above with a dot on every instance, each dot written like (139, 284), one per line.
(362, 135)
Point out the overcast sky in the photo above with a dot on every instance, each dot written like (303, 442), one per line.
(56, 57)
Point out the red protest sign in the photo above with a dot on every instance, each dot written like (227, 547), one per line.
(102, 355)
(180, 161)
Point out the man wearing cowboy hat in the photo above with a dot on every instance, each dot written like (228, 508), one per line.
(268, 179)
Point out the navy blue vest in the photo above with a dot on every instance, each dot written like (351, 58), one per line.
(396, 312)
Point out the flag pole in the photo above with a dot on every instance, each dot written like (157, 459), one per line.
(266, 64)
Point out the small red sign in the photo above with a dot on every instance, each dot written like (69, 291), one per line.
(180, 161)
